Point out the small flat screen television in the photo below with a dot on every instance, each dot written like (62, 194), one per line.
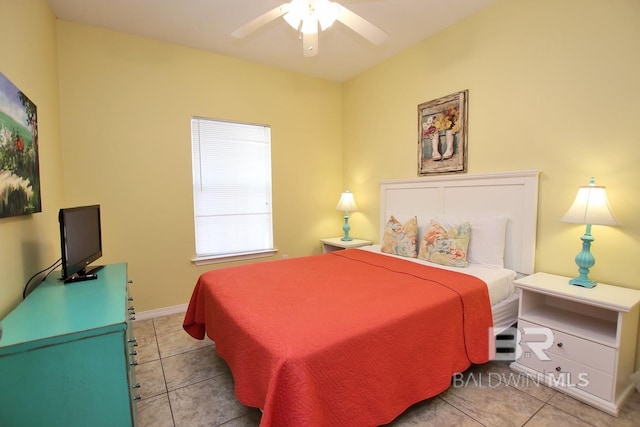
(81, 241)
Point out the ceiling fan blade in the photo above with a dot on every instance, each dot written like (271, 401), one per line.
(261, 20)
(361, 26)
(309, 44)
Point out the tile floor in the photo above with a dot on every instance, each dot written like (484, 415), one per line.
(186, 384)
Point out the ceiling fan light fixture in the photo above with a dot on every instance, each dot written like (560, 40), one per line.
(327, 12)
(305, 16)
(297, 11)
(293, 21)
(308, 14)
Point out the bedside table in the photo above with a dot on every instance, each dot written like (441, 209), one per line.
(335, 244)
(586, 337)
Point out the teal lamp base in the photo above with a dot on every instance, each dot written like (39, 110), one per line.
(585, 283)
(346, 228)
(585, 261)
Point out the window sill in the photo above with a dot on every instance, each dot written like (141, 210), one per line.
(217, 259)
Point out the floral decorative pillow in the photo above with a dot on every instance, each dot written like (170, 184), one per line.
(446, 246)
(487, 240)
(400, 239)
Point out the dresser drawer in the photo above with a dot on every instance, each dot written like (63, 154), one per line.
(580, 350)
(561, 372)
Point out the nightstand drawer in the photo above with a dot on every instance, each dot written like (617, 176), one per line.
(565, 373)
(582, 351)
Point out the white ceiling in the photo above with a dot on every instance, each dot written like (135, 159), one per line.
(207, 25)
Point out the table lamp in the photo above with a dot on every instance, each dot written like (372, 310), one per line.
(590, 207)
(346, 204)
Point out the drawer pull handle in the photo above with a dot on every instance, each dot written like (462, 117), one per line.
(134, 363)
(137, 397)
(137, 385)
(130, 299)
(558, 369)
(131, 308)
(132, 317)
(133, 353)
(559, 344)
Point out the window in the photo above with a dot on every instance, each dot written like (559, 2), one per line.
(231, 190)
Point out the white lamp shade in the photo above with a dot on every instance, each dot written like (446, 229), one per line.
(347, 203)
(590, 207)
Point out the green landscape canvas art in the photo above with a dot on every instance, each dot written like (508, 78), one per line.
(19, 166)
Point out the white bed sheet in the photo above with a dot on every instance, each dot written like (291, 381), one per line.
(499, 280)
(505, 313)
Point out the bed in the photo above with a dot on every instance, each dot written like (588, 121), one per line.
(355, 337)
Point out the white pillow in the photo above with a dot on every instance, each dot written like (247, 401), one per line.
(488, 235)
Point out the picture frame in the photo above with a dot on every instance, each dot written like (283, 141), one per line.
(442, 134)
(19, 163)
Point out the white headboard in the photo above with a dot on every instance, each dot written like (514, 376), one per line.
(511, 194)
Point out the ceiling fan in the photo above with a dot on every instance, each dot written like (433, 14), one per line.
(306, 15)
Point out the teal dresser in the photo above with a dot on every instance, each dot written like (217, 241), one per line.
(67, 355)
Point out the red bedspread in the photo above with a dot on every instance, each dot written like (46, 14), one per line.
(348, 338)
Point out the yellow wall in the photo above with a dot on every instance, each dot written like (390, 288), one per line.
(126, 104)
(553, 85)
(30, 243)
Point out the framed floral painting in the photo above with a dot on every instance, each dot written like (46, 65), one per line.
(442, 134)
(19, 166)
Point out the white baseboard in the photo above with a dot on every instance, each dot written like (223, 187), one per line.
(159, 312)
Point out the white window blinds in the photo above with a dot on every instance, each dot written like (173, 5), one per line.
(231, 187)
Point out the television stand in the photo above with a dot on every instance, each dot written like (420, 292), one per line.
(81, 278)
(70, 350)
(95, 269)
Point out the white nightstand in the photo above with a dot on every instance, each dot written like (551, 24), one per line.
(589, 337)
(335, 244)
